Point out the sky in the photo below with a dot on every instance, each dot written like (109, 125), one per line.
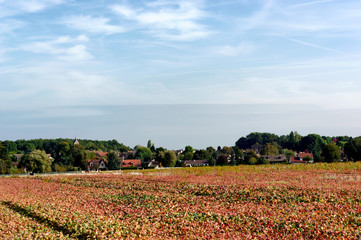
(179, 72)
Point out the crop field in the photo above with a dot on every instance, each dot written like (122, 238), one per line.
(319, 201)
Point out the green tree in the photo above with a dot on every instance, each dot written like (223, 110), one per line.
(226, 150)
(251, 158)
(330, 153)
(80, 156)
(269, 149)
(222, 160)
(353, 149)
(5, 160)
(169, 159)
(150, 145)
(37, 161)
(314, 144)
(201, 154)
(114, 162)
(288, 153)
(237, 154)
(188, 153)
(144, 153)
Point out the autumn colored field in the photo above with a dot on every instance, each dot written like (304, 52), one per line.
(321, 201)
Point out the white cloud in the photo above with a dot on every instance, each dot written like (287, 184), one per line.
(14, 7)
(172, 20)
(281, 18)
(76, 53)
(8, 26)
(92, 24)
(240, 49)
(60, 47)
(36, 5)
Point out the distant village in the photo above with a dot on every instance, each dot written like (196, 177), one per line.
(62, 155)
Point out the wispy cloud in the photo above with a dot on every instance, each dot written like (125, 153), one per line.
(315, 46)
(8, 26)
(172, 20)
(92, 24)
(60, 47)
(14, 7)
(36, 5)
(241, 49)
(259, 17)
(310, 3)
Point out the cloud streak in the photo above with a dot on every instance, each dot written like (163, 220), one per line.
(177, 21)
(310, 3)
(57, 47)
(94, 25)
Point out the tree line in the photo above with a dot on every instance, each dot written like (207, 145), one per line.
(67, 156)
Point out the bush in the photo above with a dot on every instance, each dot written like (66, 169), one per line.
(252, 161)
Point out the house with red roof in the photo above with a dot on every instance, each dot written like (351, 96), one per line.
(302, 157)
(100, 154)
(132, 163)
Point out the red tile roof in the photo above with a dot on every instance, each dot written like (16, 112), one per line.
(302, 155)
(132, 163)
(296, 160)
(100, 153)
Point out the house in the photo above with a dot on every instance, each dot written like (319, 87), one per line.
(178, 152)
(196, 163)
(18, 157)
(280, 158)
(153, 164)
(125, 155)
(257, 148)
(302, 157)
(132, 163)
(305, 155)
(97, 164)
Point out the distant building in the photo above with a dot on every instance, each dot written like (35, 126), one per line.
(280, 158)
(132, 163)
(302, 157)
(76, 142)
(196, 163)
(256, 147)
(153, 164)
(97, 164)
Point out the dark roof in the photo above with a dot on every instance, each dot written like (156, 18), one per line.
(275, 158)
(196, 162)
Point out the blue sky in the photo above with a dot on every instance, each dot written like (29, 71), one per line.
(67, 65)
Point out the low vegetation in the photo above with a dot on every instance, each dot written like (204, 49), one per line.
(315, 201)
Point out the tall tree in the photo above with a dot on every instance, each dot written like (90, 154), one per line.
(353, 149)
(114, 162)
(314, 144)
(188, 153)
(330, 153)
(144, 153)
(80, 156)
(222, 160)
(5, 161)
(169, 159)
